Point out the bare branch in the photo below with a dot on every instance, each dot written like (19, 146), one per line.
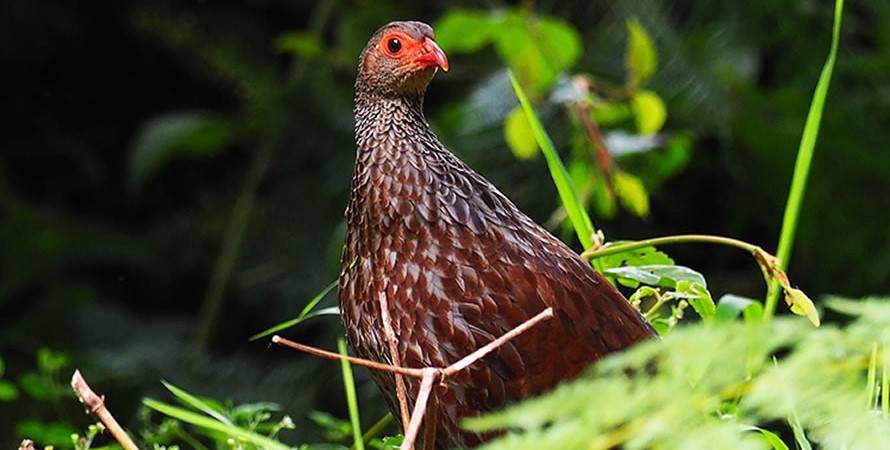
(414, 373)
(425, 399)
(426, 387)
(493, 345)
(96, 405)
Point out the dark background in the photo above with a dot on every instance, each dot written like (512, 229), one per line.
(111, 262)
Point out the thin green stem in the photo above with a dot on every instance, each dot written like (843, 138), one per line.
(351, 400)
(802, 165)
(872, 376)
(612, 249)
(885, 384)
(375, 429)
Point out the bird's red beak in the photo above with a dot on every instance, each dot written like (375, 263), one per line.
(432, 55)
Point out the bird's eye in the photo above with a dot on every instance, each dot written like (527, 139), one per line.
(394, 45)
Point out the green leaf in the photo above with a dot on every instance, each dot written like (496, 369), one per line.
(2, 367)
(464, 31)
(611, 113)
(649, 112)
(538, 49)
(656, 275)
(698, 297)
(302, 44)
(772, 438)
(250, 411)
(642, 58)
(175, 134)
(631, 193)
(57, 434)
(675, 157)
(567, 193)
(305, 314)
(558, 40)
(335, 428)
(50, 361)
(212, 424)
(519, 136)
(730, 306)
(35, 386)
(648, 255)
(800, 436)
(8, 391)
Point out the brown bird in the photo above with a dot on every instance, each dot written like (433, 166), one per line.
(457, 263)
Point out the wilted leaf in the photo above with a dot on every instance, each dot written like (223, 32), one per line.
(641, 56)
(519, 135)
(649, 112)
(631, 193)
(802, 305)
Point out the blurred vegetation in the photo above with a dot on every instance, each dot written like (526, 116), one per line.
(174, 174)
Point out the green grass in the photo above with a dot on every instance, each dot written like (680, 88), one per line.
(804, 160)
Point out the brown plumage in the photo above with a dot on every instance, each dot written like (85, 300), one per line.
(457, 262)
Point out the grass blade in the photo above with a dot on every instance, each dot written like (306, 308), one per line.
(567, 193)
(804, 158)
(305, 314)
(196, 403)
(210, 424)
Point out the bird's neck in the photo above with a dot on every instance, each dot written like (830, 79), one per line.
(386, 126)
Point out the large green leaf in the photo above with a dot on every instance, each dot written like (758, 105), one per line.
(172, 135)
(464, 30)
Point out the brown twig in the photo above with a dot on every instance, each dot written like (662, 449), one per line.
(426, 387)
(401, 390)
(493, 345)
(415, 373)
(96, 405)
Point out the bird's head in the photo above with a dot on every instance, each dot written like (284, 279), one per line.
(400, 60)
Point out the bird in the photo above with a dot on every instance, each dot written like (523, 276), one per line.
(454, 261)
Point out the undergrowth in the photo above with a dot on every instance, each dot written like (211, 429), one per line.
(756, 383)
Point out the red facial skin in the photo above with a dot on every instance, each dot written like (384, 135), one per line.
(413, 52)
